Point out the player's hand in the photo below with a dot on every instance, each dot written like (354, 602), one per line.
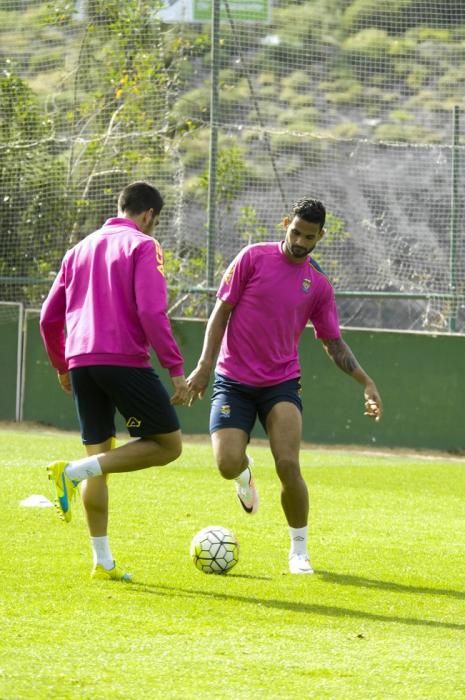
(181, 394)
(373, 403)
(197, 382)
(65, 381)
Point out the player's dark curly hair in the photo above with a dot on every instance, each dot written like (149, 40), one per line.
(311, 210)
(138, 197)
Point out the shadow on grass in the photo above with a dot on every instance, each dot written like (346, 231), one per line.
(301, 608)
(254, 578)
(362, 582)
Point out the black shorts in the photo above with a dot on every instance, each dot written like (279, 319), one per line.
(136, 392)
(236, 405)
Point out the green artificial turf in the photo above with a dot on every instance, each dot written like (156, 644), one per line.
(383, 616)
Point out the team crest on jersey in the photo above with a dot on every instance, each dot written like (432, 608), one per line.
(306, 284)
(225, 410)
(133, 422)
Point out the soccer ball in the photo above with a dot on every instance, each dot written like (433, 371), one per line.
(214, 550)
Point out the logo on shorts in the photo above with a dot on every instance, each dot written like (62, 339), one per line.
(306, 284)
(225, 410)
(133, 422)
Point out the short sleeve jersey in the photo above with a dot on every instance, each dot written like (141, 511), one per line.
(273, 299)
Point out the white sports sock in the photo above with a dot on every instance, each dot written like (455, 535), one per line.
(244, 478)
(298, 540)
(82, 469)
(101, 551)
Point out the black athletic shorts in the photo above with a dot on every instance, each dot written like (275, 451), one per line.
(136, 392)
(236, 405)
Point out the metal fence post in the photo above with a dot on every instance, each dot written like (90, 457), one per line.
(454, 219)
(212, 170)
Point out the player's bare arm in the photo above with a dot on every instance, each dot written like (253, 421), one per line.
(198, 379)
(343, 357)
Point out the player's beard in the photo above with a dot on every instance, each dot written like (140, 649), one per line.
(298, 252)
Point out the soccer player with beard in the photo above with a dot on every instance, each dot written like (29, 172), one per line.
(266, 298)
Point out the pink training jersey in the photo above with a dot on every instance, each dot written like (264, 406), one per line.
(111, 295)
(274, 299)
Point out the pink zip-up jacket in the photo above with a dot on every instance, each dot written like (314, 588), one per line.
(111, 297)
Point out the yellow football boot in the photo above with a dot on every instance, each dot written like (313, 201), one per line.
(99, 573)
(65, 489)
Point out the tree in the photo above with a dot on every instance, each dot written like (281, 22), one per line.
(32, 188)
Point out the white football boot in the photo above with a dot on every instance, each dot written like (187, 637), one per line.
(300, 564)
(248, 495)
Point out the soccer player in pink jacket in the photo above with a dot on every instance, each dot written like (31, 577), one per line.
(266, 298)
(107, 307)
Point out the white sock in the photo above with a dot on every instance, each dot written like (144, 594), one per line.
(244, 478)
(82, 469)
(298, 540)
(101, 551)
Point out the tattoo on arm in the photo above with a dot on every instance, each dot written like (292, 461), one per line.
(342, 355)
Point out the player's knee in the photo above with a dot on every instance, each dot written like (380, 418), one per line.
(288, 470)
(173, 451)
(164, 451)
(229, 466)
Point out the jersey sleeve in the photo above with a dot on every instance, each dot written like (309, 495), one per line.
(236, 277)
(152, 301)
(52, 323)
(325, 318)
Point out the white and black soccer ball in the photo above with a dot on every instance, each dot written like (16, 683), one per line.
(214, 550)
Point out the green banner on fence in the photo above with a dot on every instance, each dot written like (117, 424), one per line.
(241, 10)
(201, 10)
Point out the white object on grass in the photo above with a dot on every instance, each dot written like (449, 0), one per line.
(36, 501)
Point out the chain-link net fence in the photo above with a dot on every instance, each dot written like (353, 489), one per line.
(356, 103)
